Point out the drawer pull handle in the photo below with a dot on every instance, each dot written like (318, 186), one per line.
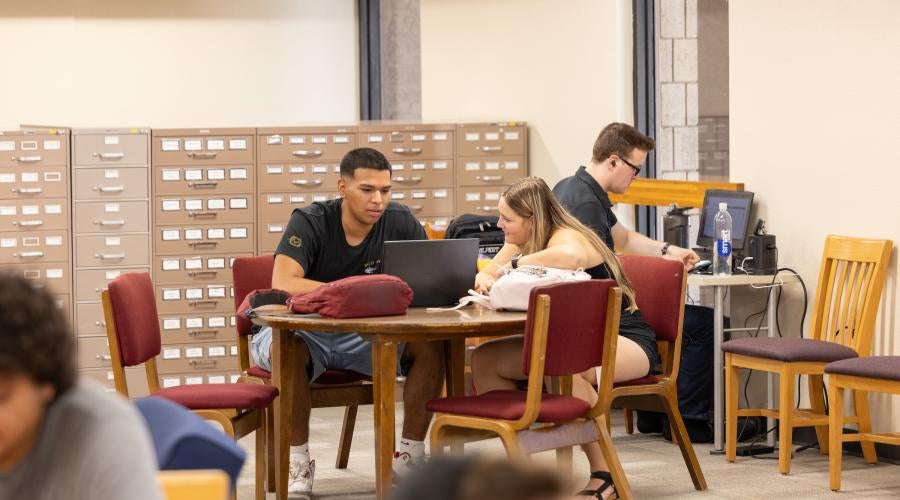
(196, 274)
(109, 189)
(303, 153)
(206, 155)
(109, 156)
(199, 244)
(104, 357)
(117, 222)
(28, 223)
(197, 333)
(26, 255)
(408, 180)
(198, 303)
(487, 208)
(489, 178)
(415, 208)
(27, 159)
(28, 190)
(109, 256)
(307, 182)
(100, 323)
(489, 149)
(202, 215)
(196, 363)
(407, 151)
(203, 185)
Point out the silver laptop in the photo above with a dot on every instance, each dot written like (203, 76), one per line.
(438, 271)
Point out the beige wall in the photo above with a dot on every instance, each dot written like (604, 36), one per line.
(815, 124)
(175, 63)
(552, 64)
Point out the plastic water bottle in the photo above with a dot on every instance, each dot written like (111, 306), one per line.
(722, 255)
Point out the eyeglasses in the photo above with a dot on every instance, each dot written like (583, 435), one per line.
(637, 170)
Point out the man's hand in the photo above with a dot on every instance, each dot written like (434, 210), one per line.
(484, 282)
(687, 257)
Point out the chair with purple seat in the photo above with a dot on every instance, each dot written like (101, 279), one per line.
(333, 388)
(863, 375)
(851, 279)
(562, 338)
(132, 329)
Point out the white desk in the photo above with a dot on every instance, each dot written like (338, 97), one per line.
(720, 283)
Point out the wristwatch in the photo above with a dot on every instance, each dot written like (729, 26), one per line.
(514, 262)
(665, 248)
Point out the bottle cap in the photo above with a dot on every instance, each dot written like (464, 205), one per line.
(723, 206)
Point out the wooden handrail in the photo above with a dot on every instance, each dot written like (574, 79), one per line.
(663, 192)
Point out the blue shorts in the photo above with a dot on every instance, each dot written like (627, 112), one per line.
(340, 351)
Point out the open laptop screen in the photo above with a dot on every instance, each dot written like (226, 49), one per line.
(438, 271)
(739, 205)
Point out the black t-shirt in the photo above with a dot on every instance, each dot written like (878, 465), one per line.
(588, 202)
(315, 239)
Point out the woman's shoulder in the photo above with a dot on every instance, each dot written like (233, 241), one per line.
(565, 235)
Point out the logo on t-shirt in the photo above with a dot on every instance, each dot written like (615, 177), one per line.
(371, 267)
(295, 241)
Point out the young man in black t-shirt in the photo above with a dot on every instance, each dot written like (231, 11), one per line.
(333, 240)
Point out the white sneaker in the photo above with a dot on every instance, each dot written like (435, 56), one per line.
(403, 463)
(300, 476)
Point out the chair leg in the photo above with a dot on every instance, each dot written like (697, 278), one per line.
(864, 424)
(511, 443)
(623, 489)
(835, 435)
(817, 403)
(681, 437)
(564, 461)
(435, 445)
(732, 376)
(260, 438)
(785, 421)
(629, 420)
(270, 450)
(343, 454)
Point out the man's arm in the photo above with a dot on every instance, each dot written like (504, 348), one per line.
(633, 242)
(288, 275)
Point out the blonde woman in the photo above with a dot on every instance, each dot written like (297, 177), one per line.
(539, 231)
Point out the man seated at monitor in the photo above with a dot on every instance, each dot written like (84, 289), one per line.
(330, 240)
(618, 156)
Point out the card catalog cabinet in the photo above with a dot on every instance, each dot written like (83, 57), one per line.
(35, 233)
(111, 224)
(422, 164)
(204, 206)
(490, 156)
(297, 166)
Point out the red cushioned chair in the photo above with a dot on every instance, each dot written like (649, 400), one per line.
(332, 388)
(562, 339)
(659, 286)
(132, 328)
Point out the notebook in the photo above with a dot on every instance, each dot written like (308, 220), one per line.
(438, 271)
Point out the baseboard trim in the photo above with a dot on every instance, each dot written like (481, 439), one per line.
(887, 453)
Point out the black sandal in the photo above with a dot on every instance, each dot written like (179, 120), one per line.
(607, 484)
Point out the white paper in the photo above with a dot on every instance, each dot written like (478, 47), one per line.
(193, 204)
(473, 196)
(376, 138)
(30, 177)
(440, 193)
(274, 199)
(8, 210)
(111, 173)
(511, 136)
(51, 145)
(275, 228)
(193, 144)
(193, 175)
(297, 139)
(171, 264)
(237, 143)
(419, 195)
(235, 378)
(193, 352)
(171, 175)
(320, 169)
(216, 379)
(171, 205)
(7, 145)
(53, 209)
(418, 137)
(9, 242)
(237, 203)
(274, 169)
(217, 263)
(319, 139)
(217, 322)
(112, 208)
(113, 241)
(215, 144)
(171, 145)
(193, 293)
(172, 294)
(492, 136)
(511, 165)
(111, 275)
(171, 235)
(57, 241)
(194, 263)
(319, 197)
(193, 322)
(193, 234)
(472, 165)
(237, 173)
(237, 232)
(31, 209)
(473, 136)
(171, 382)
(193, 380)
(341, 139)
(234, 350)
(110, 140)
(439, 136)
(215, 203)
(418, 166)
(397, 196)
(492, 165)
(492, 196)
(215, 174)
(53, 274)
(172, 353)
(216, 352)
(7, 178)
(171, 324)
(217, 292)
(274, 139)
(215, 234)
(298, 198)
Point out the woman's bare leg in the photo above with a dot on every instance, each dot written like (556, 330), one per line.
(497, 364)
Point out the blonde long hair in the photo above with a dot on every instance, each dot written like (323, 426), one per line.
(530, 197)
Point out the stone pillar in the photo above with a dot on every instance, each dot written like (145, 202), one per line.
(401, 68)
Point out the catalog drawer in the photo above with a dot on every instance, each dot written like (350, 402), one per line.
(111, 183)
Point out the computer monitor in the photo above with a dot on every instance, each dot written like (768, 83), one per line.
(739, 204)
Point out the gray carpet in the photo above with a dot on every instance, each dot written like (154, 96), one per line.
(655, 468)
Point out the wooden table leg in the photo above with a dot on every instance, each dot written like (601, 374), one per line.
(283, 357)
(455, 366)
(384, 379)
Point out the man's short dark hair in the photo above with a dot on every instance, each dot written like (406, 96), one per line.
(363, 158)
(35, 338)
(620, 139)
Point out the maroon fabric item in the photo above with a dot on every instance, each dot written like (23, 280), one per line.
(356, 297)
(258, 298)
(881, 367)
(657, 288)
(645, 380)
(576, 330)
(134, 312)
(510, 405)
(250, 273)
(215, 396)
(788, 350)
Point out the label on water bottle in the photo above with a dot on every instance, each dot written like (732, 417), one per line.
(723, 245)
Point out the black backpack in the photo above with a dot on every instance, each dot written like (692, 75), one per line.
(483, 227)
